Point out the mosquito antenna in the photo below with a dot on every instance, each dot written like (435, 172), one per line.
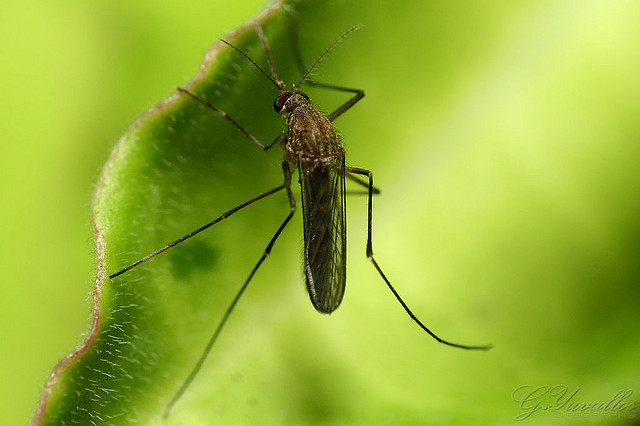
(324, 53)
(253, 62)
(267, 53)
(294, 36)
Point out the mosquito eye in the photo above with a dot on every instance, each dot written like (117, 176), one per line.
(280, 101)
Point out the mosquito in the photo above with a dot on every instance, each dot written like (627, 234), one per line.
(312, 144)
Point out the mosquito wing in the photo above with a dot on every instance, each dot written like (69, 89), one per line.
(325, 251)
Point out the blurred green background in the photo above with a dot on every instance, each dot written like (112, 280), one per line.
(504, 138)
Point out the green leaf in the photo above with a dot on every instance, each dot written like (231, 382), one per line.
(179, 166)
(504, 140)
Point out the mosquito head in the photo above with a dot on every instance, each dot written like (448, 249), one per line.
(280, 104)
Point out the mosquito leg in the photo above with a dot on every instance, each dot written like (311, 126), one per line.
(202, 228)
(267, 52)
(369, 174)
(297, 56)
(214, 337)
(362, 183)
(230, 119)
(359, 94)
